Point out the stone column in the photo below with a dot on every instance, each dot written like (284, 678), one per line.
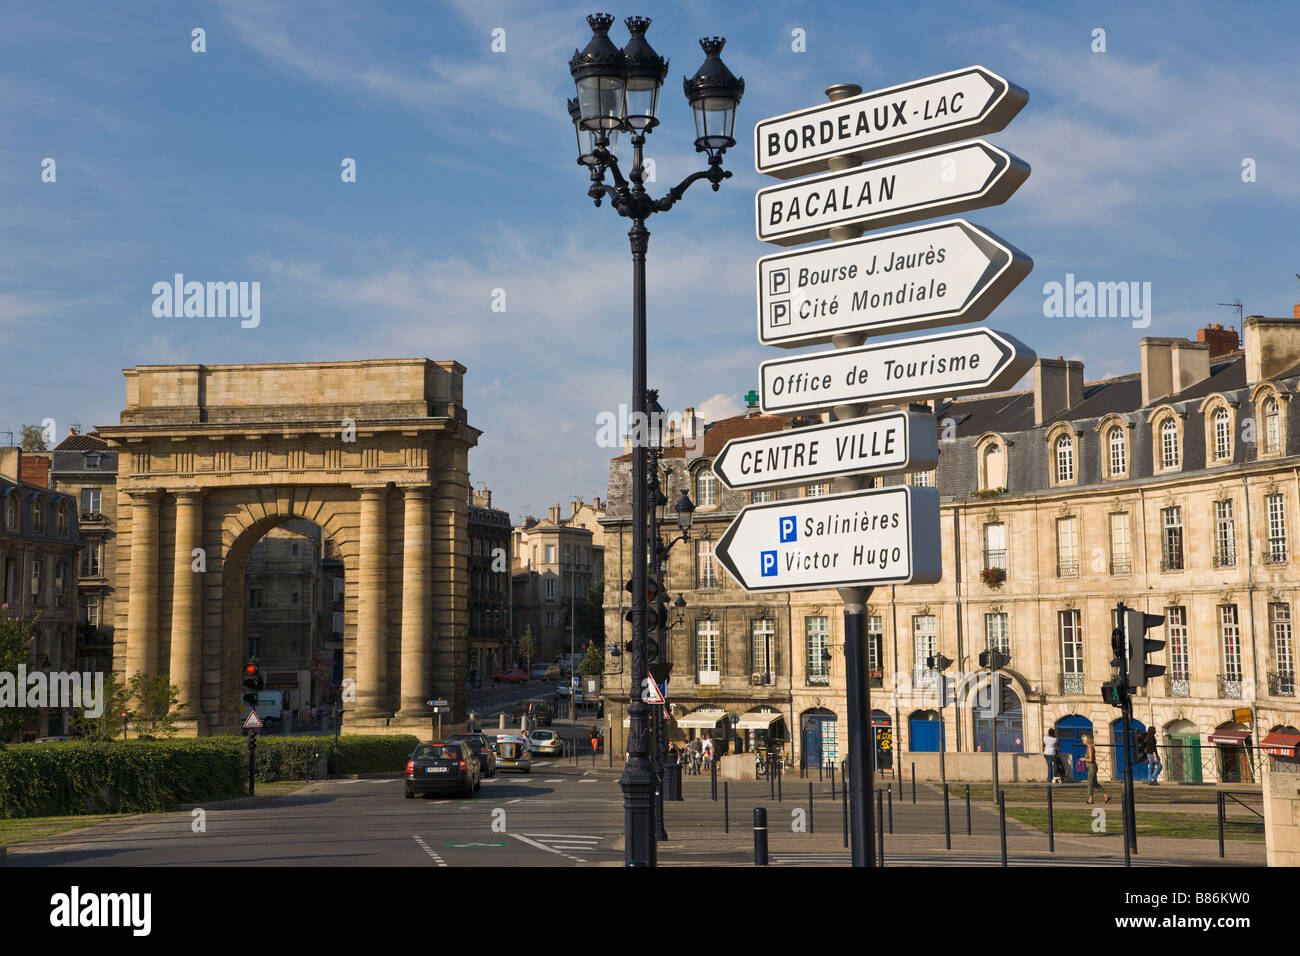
(417, 606)
(187, 606)
(142, 598)
(372, 603)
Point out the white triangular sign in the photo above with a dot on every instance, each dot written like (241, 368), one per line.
(656, 694)
(252, 721)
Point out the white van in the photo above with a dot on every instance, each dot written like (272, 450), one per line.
(270, 705)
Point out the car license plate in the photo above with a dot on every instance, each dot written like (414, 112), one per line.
(435, 769)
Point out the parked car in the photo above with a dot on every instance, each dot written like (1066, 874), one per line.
(479, 744)
(552, 672)
(546, 742)
(512, 676)
(539, 671)
(541, 711)
(512, 754)
(442, 767)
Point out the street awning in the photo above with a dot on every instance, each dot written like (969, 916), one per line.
(1280, 745)
(760, 720)
(702, 719)
(1230, 738)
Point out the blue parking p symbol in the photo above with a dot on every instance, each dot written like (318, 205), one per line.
(789, 529)
(767, 561)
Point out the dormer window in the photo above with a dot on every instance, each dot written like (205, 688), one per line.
(1118, 451)
(706, 489)
(1064, 460)
(1222, 435)
(1272, 426)
(1169, 451)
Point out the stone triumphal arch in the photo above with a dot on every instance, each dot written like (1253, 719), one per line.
(213, 456)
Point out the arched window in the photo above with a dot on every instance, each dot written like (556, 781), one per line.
(706, 489)
(1169, 443)
(1118, 452)
(1222, 435)
(1272, 426)
(995, 468)
(1064, 459)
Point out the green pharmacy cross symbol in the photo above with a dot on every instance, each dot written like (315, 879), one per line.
(751, 398)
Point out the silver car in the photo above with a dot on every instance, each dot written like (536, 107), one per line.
(546, 742)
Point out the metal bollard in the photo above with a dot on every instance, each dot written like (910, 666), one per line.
(889, 792)
(1220, 811)
(713, 774)
(819, 770)
(880, 833)
(1002, 823)
(771, 780)
(832, 783)
(778, 785)
(1051, 826)
(968, 831)
(760, 836)
(1127, 846)
(810, 808)
(947, 825)
(844, 812)
(726, 809)
(913, 784)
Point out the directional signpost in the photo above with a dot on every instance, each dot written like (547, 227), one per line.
(949, 363)
(917, 278)
(878, 536)
(878, 444)
(929, 112)
(921, 186)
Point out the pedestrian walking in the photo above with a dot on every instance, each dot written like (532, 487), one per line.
(707, 750)
(1154, 766)
(595, 739)
(1090, 763)
(696, 748)
(1050, 750)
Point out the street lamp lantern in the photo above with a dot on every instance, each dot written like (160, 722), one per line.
(600, 75)
(685, 511)
(589, 140)
(645, 74)
(714, 92)
(679, 609)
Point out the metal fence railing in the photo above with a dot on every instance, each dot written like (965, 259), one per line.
(1203, 763)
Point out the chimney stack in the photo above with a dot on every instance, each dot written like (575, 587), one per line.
(1058, 387)
(573, 508)
(1220, 340)
(690, 425)
(1272, 346)
(555, 514)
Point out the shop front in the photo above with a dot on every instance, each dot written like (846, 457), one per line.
(1232, 740)
(882, 730)
(761, 729)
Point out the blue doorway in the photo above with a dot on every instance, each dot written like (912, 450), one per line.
(1069, 733)
(1120, 739)
(820, 739)
(925, 732)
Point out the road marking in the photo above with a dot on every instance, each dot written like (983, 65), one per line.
(554, 780)
(429, 850)
(565, 836)
(588, 780)
(515, 800)
(543, 846)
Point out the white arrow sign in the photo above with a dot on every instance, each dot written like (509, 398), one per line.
(877, 444)
(878, 536)
(916, 278)
(928, 112)
(942, 181)
(931, 366)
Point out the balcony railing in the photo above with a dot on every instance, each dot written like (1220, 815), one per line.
(1276, 553)
(1229, 686)
(1225, 559)
(1121, 565)
(819, 678)
(1178, 687)
(1071, 683)
(1281, 684)
(877, 678)
(1172, 562)
(995, 559)
(1068, 569)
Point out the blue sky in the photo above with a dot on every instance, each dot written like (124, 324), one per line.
(225, 166)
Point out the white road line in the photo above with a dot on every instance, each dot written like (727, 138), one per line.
(588, 780)
(429, 850)
(555, 780)
(565, 836)
(543, 846)
(515, 800)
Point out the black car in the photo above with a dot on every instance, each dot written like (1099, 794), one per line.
(538, 709)
(443, 767)
(487, 760)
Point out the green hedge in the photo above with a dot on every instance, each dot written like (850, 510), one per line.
(139, 776)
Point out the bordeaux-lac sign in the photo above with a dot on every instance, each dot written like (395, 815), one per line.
(927, 112)
(894, 441)
(918, 278)
(931, 366)
(877, 536)
(942, 181)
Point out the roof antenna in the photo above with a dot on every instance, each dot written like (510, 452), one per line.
(1236, 304)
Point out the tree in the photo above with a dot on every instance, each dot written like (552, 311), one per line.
(34, 438)
(528, 647)
(108, 725)
(16, 645)
(591, 615)
(156, 699)
(594, 663)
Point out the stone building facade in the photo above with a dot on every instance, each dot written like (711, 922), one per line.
(555, 562)
(1175, 490)
(281, 627)
(39, 543)
(489, 585)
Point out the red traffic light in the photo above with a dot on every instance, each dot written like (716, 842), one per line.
(250, 669)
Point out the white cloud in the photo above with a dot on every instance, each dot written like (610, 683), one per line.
(718, 407)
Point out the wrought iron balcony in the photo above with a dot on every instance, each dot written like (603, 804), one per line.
(1067, 569)
(1122, 565)
(1276, 553)
(1225, 559)
(1172, 562)
(1178, 687)
(876, 678)
(1071, 683)
(995, 559)
(1281, 684)
(1229, 687)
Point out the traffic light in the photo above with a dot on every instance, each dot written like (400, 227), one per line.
(1112, 692)
(253, 682)
(994, 660)
(1136, 625)
(1119, 655)
(655, 610)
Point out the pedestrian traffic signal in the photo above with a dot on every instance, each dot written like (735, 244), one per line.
(1112, 692)
(253, 682)
(1136, 625)
(1119, 655)
(994, 660)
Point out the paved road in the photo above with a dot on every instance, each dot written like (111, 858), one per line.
(556, 816)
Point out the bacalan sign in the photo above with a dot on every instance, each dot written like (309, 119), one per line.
(950, 363)
(878, 536)
(875, 444)
(942, 181)
(928, 112)
(916, 278)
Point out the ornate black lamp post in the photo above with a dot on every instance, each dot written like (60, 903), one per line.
(618, 90)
